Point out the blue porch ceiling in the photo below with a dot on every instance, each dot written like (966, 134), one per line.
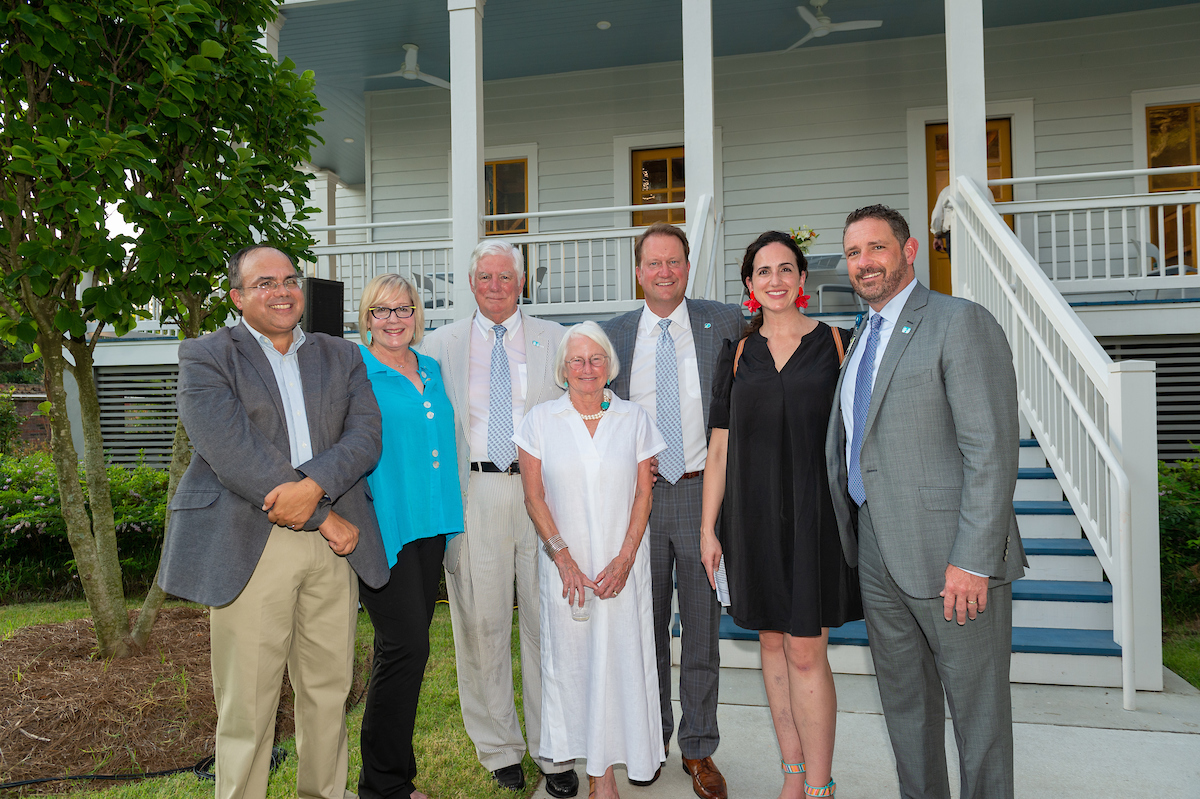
(344, 41)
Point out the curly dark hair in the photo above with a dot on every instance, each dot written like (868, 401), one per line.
(770, 237)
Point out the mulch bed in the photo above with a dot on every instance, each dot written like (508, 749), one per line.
(64, 711)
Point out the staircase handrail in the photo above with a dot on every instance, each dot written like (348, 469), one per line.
(699, 228)
(973, 210)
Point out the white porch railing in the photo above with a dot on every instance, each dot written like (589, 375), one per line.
(1092, 417)
(584, 272)
(1116, 243)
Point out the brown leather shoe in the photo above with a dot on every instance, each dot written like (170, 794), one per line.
(707, 781)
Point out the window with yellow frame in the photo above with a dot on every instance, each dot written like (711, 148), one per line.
(658, 177)
(506, 191)
(1173, 139)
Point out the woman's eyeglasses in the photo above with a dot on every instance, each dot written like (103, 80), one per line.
(597, 362)
(382, 313)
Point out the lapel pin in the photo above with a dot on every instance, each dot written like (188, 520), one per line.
(707, 325)
(906, 329)
(538, 343)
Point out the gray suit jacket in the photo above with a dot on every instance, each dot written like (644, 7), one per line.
(230, 405)
(939, 456)
(450, 346)
(712, 323)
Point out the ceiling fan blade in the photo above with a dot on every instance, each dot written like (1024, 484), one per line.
(802, 41)
(808, 17)
(856, 25)
(430, 79)
(397, 74)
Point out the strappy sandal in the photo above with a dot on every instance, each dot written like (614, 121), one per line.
(828, 790)
(591, 787)
(791, 768)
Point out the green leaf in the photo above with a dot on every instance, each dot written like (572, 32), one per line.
(199, 63)
(211, 49)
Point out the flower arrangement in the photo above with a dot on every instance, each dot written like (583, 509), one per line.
(804, 236)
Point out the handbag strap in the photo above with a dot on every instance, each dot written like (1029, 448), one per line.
(737, 356)
(837, 342)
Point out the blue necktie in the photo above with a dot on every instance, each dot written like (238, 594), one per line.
(862, 403)
(666, 394)
(501, 448)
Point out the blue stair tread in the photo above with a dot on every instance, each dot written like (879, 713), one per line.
(1035, 473)
(1038, 640)
(1030, 442)
(1061, 591)
(1042, 507)
(1057, 546)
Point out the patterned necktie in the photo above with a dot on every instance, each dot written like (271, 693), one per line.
(666, 393)
(500, 446)
(862, 403)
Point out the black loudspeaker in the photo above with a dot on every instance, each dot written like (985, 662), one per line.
(322, 306)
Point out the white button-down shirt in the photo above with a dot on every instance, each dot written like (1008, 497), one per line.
(643, 382)
(479, 377)
(286, 368)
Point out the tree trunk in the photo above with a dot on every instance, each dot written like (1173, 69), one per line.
(181, 456)
(93, 538)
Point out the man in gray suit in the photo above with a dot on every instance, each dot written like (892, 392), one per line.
(497, 364)
(272, 520)
(922, 455)
(667, 351)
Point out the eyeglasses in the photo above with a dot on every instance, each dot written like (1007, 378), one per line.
(596, 361)
(381, 312)
(290, 283)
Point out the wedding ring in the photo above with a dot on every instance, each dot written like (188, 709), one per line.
(972, 602)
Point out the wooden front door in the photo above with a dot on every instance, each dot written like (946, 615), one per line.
(937, 177)
(658, 177)
(1173, 139)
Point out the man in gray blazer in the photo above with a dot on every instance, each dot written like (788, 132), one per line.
(668, 350)
(922, 454)
(497, 364)
(272, 520)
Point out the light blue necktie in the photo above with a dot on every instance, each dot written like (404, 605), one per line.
(862, 403)
(666, 393)
(501, 448)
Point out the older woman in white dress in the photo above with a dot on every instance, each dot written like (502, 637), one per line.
(585, 465)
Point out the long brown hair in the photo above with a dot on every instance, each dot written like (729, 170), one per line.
(770, 237)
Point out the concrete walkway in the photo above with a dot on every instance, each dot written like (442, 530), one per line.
(1069, 742)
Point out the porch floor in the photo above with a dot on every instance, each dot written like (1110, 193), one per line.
(1069, 741)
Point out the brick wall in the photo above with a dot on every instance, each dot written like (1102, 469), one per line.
(27, 397)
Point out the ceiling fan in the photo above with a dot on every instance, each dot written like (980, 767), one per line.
(822, 25)
(410, 70)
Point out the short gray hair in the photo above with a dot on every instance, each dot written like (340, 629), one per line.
(386, 285)
(497, 247)
(595, 333)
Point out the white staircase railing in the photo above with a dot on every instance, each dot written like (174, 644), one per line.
(1089, 415)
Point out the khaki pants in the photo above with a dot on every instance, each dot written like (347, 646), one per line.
(299, 609)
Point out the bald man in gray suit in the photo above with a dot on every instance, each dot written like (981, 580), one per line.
(922, 455)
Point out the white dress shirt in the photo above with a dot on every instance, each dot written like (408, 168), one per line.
(643, 383)
(479, 377)
(286, 368)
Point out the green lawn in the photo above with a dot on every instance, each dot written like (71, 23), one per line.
(445, 755)
(1181, 649)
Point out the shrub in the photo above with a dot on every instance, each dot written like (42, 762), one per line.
(35, 557)
(1179, 537)
(10, 421)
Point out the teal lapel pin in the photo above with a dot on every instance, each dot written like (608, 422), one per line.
(538, 343)
(707, 325)
(905, 329)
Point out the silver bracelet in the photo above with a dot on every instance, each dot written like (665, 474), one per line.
(553, 545)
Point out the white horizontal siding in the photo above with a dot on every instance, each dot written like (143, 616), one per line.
(807, 136)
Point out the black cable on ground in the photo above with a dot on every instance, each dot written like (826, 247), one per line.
(202, 770)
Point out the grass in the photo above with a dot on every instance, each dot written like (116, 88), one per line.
(1181, 648)
(448, 768)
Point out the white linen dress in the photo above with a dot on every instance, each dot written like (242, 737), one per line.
(599, 677)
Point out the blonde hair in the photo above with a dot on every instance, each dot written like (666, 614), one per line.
(387, 285)
(595, 333)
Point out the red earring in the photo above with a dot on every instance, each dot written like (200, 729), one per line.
(752, 303)
(802, 300)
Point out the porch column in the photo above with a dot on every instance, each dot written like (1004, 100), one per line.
(966, 106)
(466, 142)
(269, 35)
(699, 143)
(322, 187)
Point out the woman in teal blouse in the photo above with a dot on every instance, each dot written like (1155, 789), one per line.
(419, 505)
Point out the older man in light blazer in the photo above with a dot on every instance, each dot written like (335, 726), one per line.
(922, 454)
(497, 364)
(271, 521)
(668, 350)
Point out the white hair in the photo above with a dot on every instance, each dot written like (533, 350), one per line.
(595, 333)
(497, 247)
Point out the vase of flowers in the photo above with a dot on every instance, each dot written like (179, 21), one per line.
(804, 236)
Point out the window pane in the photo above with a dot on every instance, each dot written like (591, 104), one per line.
(993, 146)
(489, 189)
(1169, 139)
(677, 179)
(654, 174)
(510, 188)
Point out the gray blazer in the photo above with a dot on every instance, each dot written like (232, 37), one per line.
(230, 405)
(939, 456)
(712, 323)
(450, 346)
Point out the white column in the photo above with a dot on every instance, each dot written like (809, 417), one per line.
(466, 141)
(1135, 436)
(269, 35)
(322, 187)
(699, 143)
(967, 106)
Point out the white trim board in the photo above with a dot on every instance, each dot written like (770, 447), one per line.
(1021, 114)
(1139, 101)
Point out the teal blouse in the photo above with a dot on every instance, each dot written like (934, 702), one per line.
(415, 484)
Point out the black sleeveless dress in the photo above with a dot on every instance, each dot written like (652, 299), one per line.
(783, 555)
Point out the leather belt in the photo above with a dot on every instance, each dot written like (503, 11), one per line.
(690, 475)
(491, 468)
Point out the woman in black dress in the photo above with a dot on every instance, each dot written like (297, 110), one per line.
(788, 579)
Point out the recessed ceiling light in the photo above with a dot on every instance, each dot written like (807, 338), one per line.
(603, 25)
(348, 140)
